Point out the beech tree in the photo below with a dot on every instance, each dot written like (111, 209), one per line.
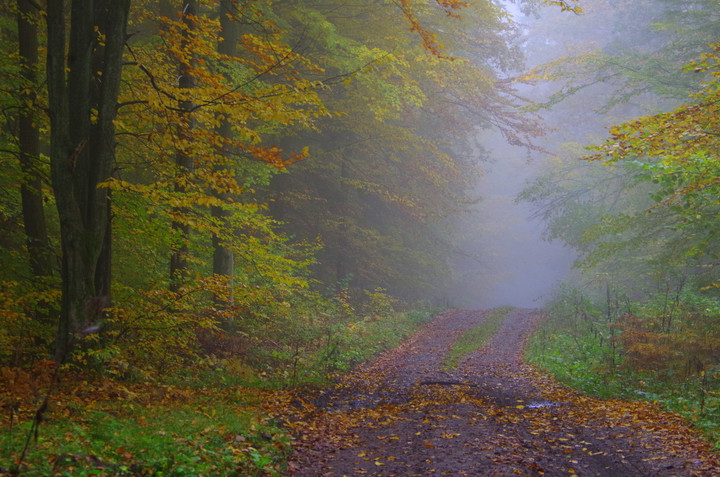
(28, 138)
(160, 140)
(677, 151)
(651, 212)
(223, 259)
(184, 162)
(399, 160)
(83, 86)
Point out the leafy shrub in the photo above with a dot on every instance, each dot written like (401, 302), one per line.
(658, 352)
(28, 313)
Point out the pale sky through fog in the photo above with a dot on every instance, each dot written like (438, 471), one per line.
(513, 264)
(504, 259)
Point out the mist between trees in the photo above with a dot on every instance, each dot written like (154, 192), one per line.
(251, 184)
(199, 178)
(639, 207)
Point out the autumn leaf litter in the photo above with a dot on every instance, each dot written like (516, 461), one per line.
(407, 414)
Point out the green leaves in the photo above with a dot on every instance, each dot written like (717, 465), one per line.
(677, 151)
(566, 6)
(658, 350)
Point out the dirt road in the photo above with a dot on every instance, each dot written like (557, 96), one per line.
(406, 414)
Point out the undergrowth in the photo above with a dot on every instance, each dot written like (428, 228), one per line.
(208, 420)
(168, 440)
(353, 343)
(629, 355)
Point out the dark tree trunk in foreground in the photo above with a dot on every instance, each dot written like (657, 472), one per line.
(82, 143)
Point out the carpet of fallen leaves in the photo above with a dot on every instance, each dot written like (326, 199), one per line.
(22, 392)
(405, 414)
(71, 400)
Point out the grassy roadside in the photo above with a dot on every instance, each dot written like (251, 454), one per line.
(213, 422)
(576, 358)
(475, 338)
(174, 439)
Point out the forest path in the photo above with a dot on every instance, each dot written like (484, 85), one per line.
(406, 414)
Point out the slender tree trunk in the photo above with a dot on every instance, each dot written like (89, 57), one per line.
(38, 244)
(223, 259)
(179, 267)
(83, 93)
(342, 247)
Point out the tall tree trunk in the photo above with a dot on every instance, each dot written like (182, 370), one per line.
(38, 244)
(82, 145)
(179, 267)
(342, 246)
(223, 259)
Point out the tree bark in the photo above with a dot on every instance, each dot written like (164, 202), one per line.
(223, 259)
(179, 267)
(83, 105)
(37, 242)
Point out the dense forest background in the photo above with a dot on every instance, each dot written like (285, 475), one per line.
(639, 318)
(227, 177)
(267, 192)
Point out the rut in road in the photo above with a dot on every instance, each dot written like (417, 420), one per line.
(406, 414)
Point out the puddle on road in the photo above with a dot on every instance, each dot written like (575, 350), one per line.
(540, 404)
(536, 404)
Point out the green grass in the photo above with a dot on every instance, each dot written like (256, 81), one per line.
(579, 361)
(360, 341)
(214, 428)
(475, 338)
(158, 441)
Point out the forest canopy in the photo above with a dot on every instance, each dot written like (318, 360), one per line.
(183, 179)
(204, 195)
